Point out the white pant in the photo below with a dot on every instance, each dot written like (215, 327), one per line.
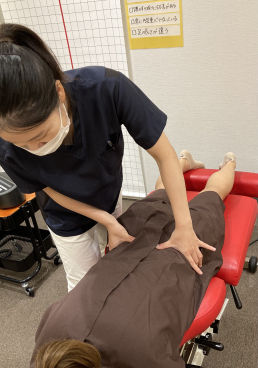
(80, 252)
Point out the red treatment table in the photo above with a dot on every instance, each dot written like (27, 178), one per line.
(240, 216)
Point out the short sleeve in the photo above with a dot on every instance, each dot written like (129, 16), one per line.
(24, 181)
(142, 118)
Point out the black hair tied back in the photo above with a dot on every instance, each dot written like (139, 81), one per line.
(28, 71)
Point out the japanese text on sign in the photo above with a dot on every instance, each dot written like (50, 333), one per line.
(155, 7)
(155, 31)
(154, 24)
(144, 20)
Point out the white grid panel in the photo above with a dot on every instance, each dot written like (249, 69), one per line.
(95, 35)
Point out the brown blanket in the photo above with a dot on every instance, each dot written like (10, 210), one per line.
(137, 302)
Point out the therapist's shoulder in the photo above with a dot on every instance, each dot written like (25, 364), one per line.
(92, 74)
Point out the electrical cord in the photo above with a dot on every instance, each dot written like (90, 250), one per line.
(253, 242)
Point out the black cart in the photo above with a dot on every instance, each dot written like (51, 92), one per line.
(23, 246)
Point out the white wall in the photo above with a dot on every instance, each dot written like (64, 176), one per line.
(208, 88)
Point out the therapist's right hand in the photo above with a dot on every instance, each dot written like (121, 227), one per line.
(117, 234)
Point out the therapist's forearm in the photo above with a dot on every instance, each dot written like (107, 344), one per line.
(173, 180)
(84, 209)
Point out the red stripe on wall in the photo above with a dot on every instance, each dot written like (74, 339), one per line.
(66, 33)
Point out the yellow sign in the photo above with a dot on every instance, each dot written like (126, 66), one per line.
(154, 24)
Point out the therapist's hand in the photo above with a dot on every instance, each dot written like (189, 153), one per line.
(117, 234)
(186, 242)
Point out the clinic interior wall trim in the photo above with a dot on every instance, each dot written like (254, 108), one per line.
(208, 88)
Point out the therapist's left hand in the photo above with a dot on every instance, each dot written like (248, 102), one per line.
(186, 242)
(117, 234)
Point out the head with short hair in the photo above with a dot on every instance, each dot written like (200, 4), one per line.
(68, 354)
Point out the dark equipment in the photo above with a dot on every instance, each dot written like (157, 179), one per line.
(21, 246)
(10, 195)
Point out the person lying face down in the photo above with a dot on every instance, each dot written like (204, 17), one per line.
(132, 308)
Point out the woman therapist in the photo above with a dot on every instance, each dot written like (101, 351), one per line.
(61, 138)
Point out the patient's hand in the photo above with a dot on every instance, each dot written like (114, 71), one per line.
(186, 242)
(117, 234)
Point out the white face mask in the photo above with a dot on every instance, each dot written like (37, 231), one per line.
(56, 142)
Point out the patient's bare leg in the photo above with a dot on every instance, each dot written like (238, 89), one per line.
(185, 166)
(222, 181)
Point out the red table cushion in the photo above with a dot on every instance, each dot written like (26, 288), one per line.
(209, 310)
(245, 183)
(240, 216)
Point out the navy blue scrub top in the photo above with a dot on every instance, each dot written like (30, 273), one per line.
(89, 171)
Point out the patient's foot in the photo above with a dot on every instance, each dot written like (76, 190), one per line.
(230, 156)
(190, 163)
